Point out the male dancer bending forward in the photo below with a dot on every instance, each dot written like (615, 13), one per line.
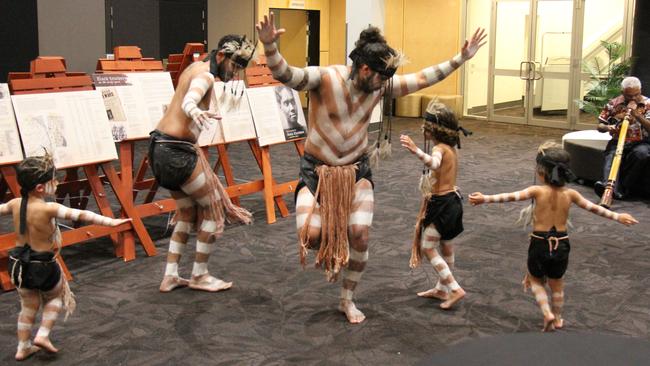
(335, 202)
(179, 165)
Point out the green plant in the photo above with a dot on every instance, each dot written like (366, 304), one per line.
(604, 80)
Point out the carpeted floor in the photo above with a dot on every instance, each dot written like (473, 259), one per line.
(278, 313)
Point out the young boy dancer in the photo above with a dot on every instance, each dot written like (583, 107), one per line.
(32, 266)
(441, 214)
(548, 253)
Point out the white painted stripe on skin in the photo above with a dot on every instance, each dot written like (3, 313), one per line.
(353, 276)
(199, 269)
(208, 226)
(183, 227)
(426, 244)
(194, 185)
(346, 294)
(28, 312)
(43, 332)
(361, 218)
(313, 222)
(176, 247)
(171, 269)
(51, 315)
(204, 248)
(453, 286)
(437, 261)
(24, 326)
(445, 273)
(358, 256)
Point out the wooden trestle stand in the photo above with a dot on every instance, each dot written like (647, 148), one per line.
(48, 74)
(129, 59)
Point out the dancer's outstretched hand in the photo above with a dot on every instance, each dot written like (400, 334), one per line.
(408, 143)
(476, 198)
(266, 31)
(627, 219)
(204, 118)
(472, 46)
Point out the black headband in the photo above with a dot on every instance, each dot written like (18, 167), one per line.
(557, 169)
(433, 118)
(376, 64)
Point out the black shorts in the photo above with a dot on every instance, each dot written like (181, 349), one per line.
(446, 214)
(543, 262)
(309, 178)
(172, 163)
(33, 270)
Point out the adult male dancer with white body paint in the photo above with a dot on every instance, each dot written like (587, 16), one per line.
(335, 201)
(180, 166)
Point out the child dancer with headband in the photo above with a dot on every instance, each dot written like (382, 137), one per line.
(32, 263)
(548, 253)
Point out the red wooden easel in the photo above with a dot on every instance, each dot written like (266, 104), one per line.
(178, 62)
(48, 74)
(129, 59)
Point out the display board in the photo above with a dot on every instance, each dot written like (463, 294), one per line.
(277, 114)
(10, 150)
(72, 126)
(135, 102)
(231, 103)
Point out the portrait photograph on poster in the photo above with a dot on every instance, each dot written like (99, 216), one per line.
(293, 120)
(277, 114)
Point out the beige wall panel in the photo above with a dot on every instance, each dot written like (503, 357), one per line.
(230, 17)
(73, 29)
(426, 45)
(337, 54)
(394, 23)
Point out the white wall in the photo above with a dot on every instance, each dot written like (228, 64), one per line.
(73, 29)
(360, 14)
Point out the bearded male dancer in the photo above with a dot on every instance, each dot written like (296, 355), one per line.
(335, 201)
(180, 166)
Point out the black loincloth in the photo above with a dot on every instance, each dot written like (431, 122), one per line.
(172, 163)
(33, 270)
(446, 214)
(309, 178)
(544, 262)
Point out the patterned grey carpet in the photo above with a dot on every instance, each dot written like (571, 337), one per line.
(277, 313)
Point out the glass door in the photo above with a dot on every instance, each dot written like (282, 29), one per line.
(510, 69)
(541, 59)
(551, 101)
(531, 62)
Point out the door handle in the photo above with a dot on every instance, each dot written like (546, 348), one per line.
(537, 74)
(521, 70)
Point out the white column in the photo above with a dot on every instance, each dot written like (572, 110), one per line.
(359, 15)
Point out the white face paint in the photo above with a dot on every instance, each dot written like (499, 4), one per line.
(50, 188)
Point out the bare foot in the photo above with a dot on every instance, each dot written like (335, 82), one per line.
(454, 297)
(354, 315)
(169, 283)
(558, 323)
(208, 283)
(548, 323)
(25, 353)
(434, 293)
(46, 344)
